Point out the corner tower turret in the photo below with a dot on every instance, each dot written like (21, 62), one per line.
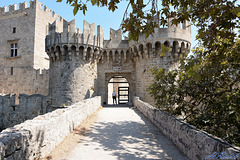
(73, 62)
(146, 53)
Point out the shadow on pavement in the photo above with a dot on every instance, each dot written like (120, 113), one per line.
(130, 140)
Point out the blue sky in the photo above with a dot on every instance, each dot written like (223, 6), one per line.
(99, 16)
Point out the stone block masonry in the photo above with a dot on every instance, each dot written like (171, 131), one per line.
(35, 138)
(28, 108)
(25, 28)
(196, 144)
(23, 80)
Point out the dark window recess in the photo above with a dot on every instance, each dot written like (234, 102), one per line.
(14, 49)
(14, 29)
(12, 52)
(11, 70)
(14, 108)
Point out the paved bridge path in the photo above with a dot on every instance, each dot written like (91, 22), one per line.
(122, 133)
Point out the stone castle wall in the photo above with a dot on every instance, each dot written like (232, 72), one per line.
(28, 108)
(115, 61)
(146, 53)
(44, 17)
(73, 54)
(19, 74)
(23, 20)
(114, 57)
(13, 68)
(72, 80)
(24, 80)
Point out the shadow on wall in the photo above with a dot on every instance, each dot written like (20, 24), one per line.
(92, 91)
(87, 95)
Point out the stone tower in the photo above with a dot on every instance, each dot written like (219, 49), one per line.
(23, 60)
(82, 63)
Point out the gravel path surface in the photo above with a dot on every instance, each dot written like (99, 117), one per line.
(124, 134)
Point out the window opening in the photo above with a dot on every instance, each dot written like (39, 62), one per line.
(14, 107)
(14, 29)
(14, 49)
(11, 71)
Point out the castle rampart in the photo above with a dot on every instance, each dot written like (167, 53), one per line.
(72, 51)
(80, 60)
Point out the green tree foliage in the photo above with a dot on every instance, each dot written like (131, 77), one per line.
(205, 91)
(205, 88)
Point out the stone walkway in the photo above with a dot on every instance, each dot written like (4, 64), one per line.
(124, 134)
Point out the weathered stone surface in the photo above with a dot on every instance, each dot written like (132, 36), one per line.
(29, 74)
(36, 138)
(28, 108)
(2, 151)
(81, 63)
(196, 144)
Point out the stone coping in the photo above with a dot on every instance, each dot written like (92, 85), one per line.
(35, 138)
(194, 143)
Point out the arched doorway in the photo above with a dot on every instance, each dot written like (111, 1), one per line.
(120, 85)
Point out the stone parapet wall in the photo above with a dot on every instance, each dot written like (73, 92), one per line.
(36, 138)
(196, 144)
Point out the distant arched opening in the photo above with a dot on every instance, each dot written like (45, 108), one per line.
(116, 60)
(120, 85)
(157, 47)
(149, 49)
(81, 50)
(88, 55)
(141, 50)
(166, 44)
(110, 56)
(65, 50)
(105, 57)
(175, 47)
(182, 49)
(73, 50)
(58, 50)
(188, 46)
(128, 56)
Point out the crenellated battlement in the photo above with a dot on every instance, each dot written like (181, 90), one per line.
(82, 59)
(72, 44)
(21, 8)
(185, 25)
(71, 35)
(115, 34)
(15, 8)
(41, 72)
